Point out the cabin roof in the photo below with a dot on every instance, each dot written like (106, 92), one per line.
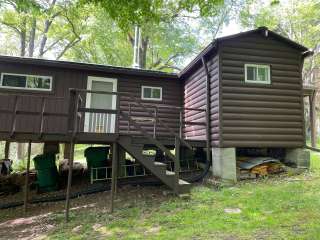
(262, 30)
(87, 66)
(150, 73)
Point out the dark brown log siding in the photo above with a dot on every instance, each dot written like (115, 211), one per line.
(64, 79)
(257, 115)
(171, 96)
(214, 100)
(195, 97)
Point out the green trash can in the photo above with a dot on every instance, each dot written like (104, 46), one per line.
(47, 173)
(97, 157)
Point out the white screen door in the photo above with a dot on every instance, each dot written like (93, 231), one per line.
(100, 122)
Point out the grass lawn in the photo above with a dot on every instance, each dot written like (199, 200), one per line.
(279, 207)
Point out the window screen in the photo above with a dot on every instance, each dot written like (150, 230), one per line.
(257, 73)
(151, 93)
(21, 81)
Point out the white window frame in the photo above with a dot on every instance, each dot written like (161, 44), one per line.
(152, 99)
(25, 88)
(257, 66)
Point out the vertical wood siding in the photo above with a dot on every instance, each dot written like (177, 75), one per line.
(259, 115)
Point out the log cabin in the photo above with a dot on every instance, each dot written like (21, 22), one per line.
(241, 91)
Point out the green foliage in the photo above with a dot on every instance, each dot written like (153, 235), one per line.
(42, 28)
(166, 43)
(128, 13)
(295, 19)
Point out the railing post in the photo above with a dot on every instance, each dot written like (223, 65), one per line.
(43, 106)
(14, 116)
(79, 115)
(177, 165)
(180, 123)
(117, 124)
(72, 105)
(155, 122)
(130, 117)
(75, 123)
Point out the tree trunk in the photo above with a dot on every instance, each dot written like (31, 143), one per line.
(47, 26)
(143, 53)
(23, 37)
(32, 37)
(44, 37)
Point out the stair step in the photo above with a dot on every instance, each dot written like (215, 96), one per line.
(182, 182)
(170, 173)
(160, 164)
(159, 169)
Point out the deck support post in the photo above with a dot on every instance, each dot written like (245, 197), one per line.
(7, 150)
(26, 183)
(70, 163)
(177, 165)
(66, 151)
(313, 130)
(114, 174)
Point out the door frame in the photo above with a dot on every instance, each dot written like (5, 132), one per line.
(114, 82)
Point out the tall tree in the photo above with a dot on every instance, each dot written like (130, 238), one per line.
(43, 27)
(295, 19)
(39, 28)
(171, 31)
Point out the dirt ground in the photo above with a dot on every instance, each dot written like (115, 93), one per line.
(37, 221)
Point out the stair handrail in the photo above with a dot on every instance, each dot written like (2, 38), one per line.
(145, 107)
(172, 132)
(146, 134)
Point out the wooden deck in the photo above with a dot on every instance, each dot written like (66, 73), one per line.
(74, 121)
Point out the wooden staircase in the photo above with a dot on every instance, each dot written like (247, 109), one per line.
(158, 169)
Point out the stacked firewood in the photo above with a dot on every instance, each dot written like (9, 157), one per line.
(258, 170)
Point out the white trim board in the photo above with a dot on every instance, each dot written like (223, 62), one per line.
(26, 88)
(257, 66)
(88, 99)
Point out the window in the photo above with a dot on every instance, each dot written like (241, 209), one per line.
(257, 73)
(23, 81)
(151, 93)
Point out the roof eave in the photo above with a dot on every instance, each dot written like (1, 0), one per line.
(198, 58)
(87, 66)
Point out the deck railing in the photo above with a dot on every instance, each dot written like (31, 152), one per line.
(79, 110)
(99, 120)
(42, 115)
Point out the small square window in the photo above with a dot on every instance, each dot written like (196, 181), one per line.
(151, 93)
(257, 73)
